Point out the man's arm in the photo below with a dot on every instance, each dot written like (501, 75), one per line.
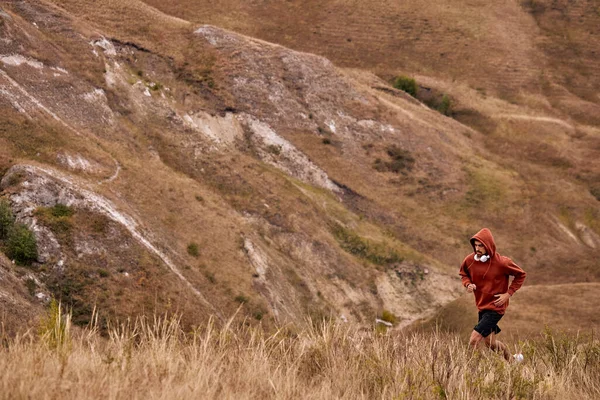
(516, 271)
(464, 273)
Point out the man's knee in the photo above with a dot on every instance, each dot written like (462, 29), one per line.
(490, 340)
(475, 339)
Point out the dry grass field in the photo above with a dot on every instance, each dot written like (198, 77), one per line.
(233, 171)
(156, 359)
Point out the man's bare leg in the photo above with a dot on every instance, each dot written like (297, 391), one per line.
(476, 339)
(498, 346)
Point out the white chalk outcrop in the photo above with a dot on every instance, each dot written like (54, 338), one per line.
(43, 186)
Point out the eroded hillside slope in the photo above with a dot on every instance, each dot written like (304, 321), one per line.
(202, 169)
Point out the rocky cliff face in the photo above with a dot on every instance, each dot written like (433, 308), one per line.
(205, 170)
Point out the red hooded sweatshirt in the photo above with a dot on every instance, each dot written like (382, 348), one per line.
(490, 277)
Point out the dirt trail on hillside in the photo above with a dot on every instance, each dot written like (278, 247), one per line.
(537, 119)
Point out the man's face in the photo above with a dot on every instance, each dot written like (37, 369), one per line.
(479, 247)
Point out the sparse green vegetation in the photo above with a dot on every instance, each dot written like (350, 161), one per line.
(7, 219)
(484, 189)
(61, 210)
(55, 328)
(445, 105)
(210, 277)
(103, 273)
(388, 316)
(155, 86)
(258, 315)
(21, 244)
(193, 250)
(406, 84)
(412, 275)
(319, 360)
(534, 7)
(376, 253)
(326, 141)
(98, 222)
(401, 160)
(241, 299)
(14, 179)
(57, 218)
(595, 191)
(71, 289)
(274, 149)
(31, 286)
(18, 240)
(442, 104)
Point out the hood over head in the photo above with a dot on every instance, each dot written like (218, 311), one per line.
(485, 237)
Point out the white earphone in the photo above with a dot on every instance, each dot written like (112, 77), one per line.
(483, 258)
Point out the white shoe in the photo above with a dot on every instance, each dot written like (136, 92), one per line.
(518, 357)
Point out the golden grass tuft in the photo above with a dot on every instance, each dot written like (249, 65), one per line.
(157, 359)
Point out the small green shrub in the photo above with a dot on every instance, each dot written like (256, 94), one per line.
(445, 105)
(595, 191)
(377, 253)
(99, 223)
(326, 141)
(442, 104)
(57, 218)
(31, 286)
(404, 83)
(241, 299)
(274, 149)
(388, 316)
(14, 179)
(210, 277)
(193, 250)
(534, 7)
(7, 219)
(258, 315)
(155, 86)
(400, 160)
(61, 210)
(103, 273)
(21, 245)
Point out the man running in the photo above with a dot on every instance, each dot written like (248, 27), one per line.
(485, 273)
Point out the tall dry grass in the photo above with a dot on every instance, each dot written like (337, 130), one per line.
(156, 359)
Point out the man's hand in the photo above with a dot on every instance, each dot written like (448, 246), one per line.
(501, 299)
(471, 288)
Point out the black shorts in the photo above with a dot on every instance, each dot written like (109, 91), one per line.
(488, 322)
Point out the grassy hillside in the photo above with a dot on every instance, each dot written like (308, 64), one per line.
(540, 185)
(204, 169)
(567, 307)
(514, 49)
